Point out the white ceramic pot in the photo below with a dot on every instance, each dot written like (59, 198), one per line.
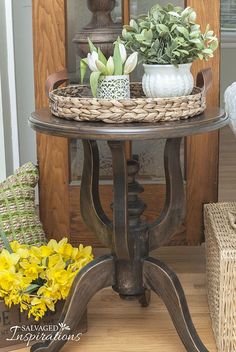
(162, 81)
(113, 87)
(230, 105)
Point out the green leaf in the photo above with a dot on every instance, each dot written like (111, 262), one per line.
(186, 11)
(156, 44)
(117, 61)
(175, 14)
(32, 288)
(173, 27)
(176, 53)
(148, 35)
(127, 27)
(102, 57)
(207, 51)
(162, 28)
(170, 7)
(184, 31)
(134, 25)
(195, 41)
(214, 44)
(195, 34)
(94, 78)
(92, 47)
(83, 69)
(5, 241)
(183, 51)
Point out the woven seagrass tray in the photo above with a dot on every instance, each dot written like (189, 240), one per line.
(75, 102)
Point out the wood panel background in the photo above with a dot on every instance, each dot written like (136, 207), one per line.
(49, 33)
(155, 205)
(202, 151)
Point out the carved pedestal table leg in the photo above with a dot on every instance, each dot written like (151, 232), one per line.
(129, 270)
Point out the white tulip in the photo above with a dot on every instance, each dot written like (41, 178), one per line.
(131, 63)
(110, 66)
(123, 53)
(92, 61)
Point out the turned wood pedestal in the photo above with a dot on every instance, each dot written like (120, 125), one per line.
(128, 269)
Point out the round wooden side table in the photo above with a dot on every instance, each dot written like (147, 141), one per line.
(129, 269)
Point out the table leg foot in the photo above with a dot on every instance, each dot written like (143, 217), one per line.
(144, 300)
(92, 278)
(160, 279)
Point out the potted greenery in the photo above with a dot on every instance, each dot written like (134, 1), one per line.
(168, 40)
(109, 78)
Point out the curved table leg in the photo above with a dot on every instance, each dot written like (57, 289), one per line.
(92, 278)
(90, 205)
(159, 278)
(173, 213)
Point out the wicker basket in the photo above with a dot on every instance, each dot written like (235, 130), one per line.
(76, 103)
(221, 273)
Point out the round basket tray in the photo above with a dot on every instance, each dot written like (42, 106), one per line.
(75, 102)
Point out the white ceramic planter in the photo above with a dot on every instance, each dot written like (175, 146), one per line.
(113, 87)
(162, 81)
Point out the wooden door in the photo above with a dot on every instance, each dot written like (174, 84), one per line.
(59, 197)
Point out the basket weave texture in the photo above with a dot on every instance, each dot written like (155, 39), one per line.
(75, 102)
(18, 216)
(221, 273)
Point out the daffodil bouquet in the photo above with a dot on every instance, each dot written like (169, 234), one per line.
(117, 65)
(35, 278)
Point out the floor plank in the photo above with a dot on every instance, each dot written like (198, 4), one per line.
(120, 326)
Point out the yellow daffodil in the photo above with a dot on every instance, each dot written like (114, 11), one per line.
(56, 261)
(8, 260)
(8, 280)
(62, 247)
(35, 278)
(30, 269)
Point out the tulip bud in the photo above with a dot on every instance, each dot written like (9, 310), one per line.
(101, 67)
(110, 66)
(123, 53)
(131, 63)
(92, 61)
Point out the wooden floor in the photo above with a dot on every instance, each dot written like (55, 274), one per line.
(120, 326)
(115, 325)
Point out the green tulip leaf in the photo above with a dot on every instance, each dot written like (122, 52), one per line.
(117, 61)
(92, 47)
(83, 69)
(94, 78)
(102, 57)
(5, 241)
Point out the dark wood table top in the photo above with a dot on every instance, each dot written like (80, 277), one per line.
(44, 122)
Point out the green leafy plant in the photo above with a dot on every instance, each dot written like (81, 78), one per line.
(116, 65)
(169, 35)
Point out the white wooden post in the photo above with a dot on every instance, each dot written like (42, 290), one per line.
(2, 143)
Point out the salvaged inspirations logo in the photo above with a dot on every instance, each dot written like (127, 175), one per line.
(42, 333)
